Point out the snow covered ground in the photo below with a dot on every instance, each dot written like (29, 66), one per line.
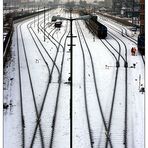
(38, 75)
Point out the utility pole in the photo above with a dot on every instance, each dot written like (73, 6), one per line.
(44, 23)
(71, 50)
(38, 18)
(71, 53)
(71, 20)
(34, 12)
(48, 14)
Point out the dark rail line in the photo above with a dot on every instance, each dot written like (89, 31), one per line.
(20, 90)
(121, 32)
(57, 97)
(85, 96)
(125, 65)
(126, 91)
(96, 88)
(55, 112)
(32, 89)
(45, 49)
(127, 37)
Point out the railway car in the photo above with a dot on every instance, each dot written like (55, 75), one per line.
(95, 27)
(141, 44)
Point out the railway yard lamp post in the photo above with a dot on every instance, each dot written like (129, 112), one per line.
(44, 23)
(34, 13)
(38, 18)
(48, 13)
(85, 17)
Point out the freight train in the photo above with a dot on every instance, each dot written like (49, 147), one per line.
(95, 27)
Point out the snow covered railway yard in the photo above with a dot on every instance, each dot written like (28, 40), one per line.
(108, 106)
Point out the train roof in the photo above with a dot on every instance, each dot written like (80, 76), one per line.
(98, 23)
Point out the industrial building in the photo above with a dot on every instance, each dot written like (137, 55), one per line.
(142, 17)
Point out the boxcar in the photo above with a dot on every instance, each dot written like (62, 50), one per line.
(96, 27)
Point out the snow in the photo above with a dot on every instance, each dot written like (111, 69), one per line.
(105, 70)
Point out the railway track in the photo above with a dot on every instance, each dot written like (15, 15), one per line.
(116, 78)
(115, 84)
(129, 38)
(85, 96)
(53, 40)
(50, 36)
(126, 80)
(18, 26)
(107, 128)
(38, 120)
(121, 31)
(59, 87)
(125, 35)
(33, 93)
(53, 60)
(21, 96)
(126, 88)
(126, 66)
(57, 97)
(31, 83)
(37, 41)
(58, 67)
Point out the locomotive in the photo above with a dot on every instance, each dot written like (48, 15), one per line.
(96, 27)
(141, 44)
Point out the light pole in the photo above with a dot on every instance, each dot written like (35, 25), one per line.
(48, 14)
(71, 50)
(34, 12)
(38, 18)
(44, 23)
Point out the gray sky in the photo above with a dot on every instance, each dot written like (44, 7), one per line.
(79, 0)
(70, 0)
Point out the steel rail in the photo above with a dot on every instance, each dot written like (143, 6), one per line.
(126, 93)
(45, 50)
(32, 89)
(20, 90)
(58, 93)
(57, 49)
(84, 85)
(96, 87)
(44, 98)
(127, 37)
(121, 32)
